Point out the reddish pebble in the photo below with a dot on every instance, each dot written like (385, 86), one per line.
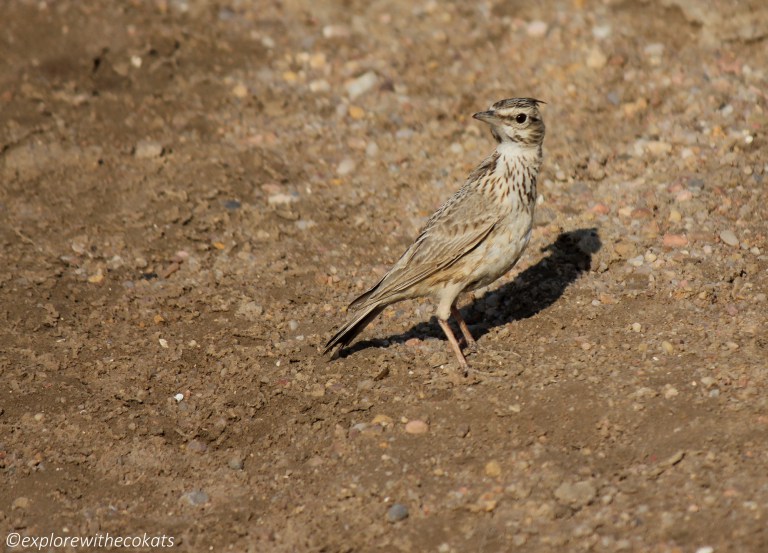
(412, 342)
(641, 213)
(416, 427)
(674, 241)
(675, 187)
(601, 209)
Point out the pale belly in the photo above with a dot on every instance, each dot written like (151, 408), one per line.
(499, 252)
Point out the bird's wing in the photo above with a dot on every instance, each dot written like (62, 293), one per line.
(457, 228)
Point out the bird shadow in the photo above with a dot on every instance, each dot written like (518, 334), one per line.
(531, 292)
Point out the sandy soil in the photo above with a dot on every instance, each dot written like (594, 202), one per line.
(191, 193)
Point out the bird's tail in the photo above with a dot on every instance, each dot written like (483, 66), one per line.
(354, 326)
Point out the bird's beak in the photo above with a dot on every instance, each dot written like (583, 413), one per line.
(486, 116)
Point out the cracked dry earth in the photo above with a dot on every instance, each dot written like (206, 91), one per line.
(191, 192)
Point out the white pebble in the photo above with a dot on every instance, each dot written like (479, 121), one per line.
(305, 224)
(536, 29)
(601, 31)
(729, 238)
(178, 397)
(372, 149)
(654, 49)
(146, 149)
(346, 166)
(319, 85)
(163, 343)
(281, 199)
(361, 84)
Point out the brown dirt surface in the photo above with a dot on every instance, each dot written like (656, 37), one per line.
(191, 192)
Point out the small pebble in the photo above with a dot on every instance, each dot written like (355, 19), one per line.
(197, 497)
(596, 59)
(240, 91)
(319, 85)
(197, 446)
(416, 427)
(146, 149)
(372, 149)
(577, 495)
(728, 237)
(601, 31)
(356, 112)
(250, 310)
(536, 29)
(21, 503)
(382, 420)
(361, 85)
(236, 462)
(346, 166)
(336, 31)
(318, 60)
(658, 148)
(493, 469)
(670, 392)
(317, 390)
(674, 241)
(305, 224)
(281, 199)
(397, 512)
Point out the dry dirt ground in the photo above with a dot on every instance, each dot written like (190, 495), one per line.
(192, 192)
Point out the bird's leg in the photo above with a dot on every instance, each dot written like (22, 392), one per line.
(454, 345)
(471, 344)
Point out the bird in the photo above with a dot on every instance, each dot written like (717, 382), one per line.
(474, 238)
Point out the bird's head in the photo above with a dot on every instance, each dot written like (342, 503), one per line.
(515, 120)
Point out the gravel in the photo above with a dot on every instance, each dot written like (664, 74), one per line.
(292, 152)
(397, 512)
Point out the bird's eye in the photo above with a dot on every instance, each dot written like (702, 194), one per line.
(521, 118)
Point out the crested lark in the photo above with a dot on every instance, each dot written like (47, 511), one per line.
(475, 237)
